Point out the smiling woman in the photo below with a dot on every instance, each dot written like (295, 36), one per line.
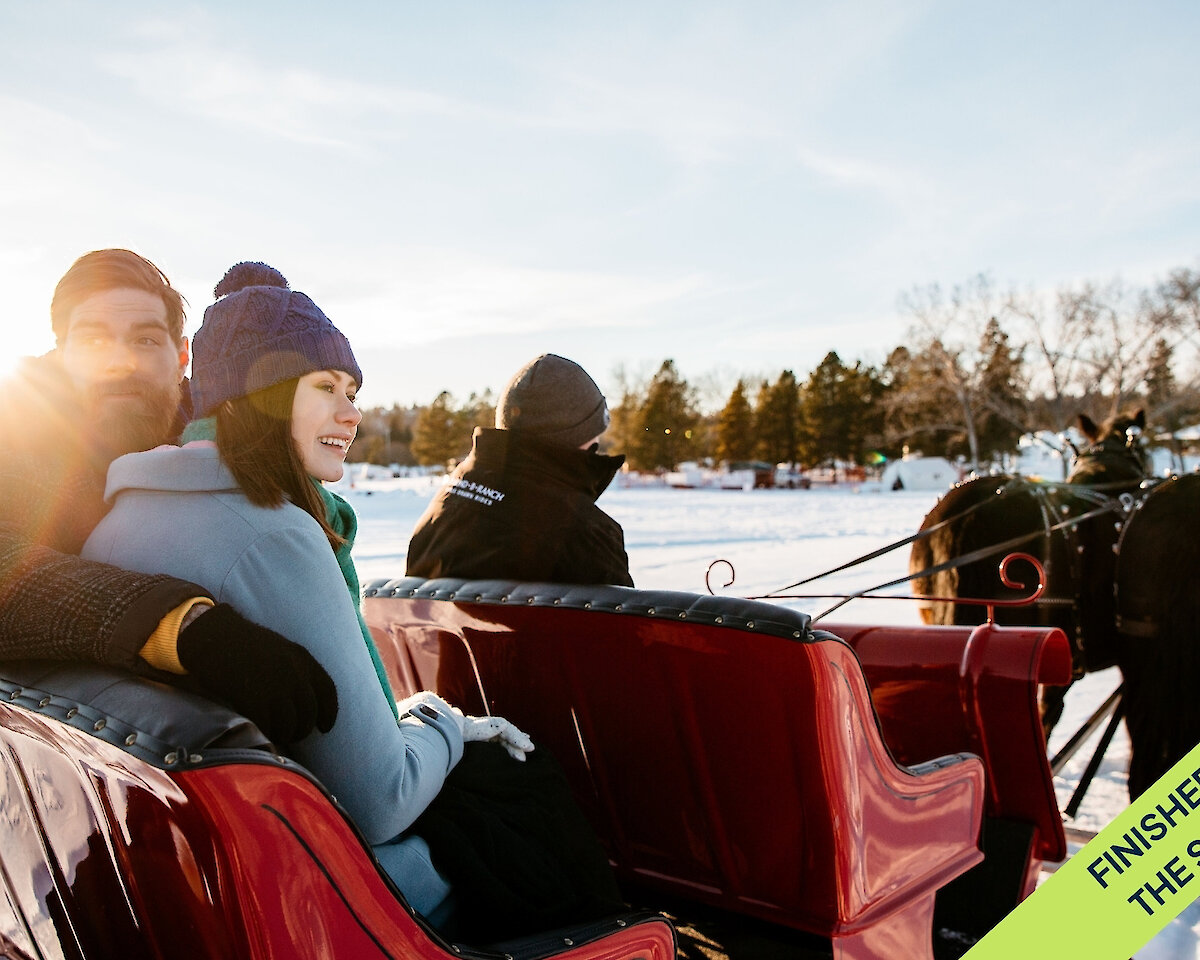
(249, 520)
(325, 421)
(243, 512)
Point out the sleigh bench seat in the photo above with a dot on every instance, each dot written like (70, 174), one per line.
(972, 688)
(140, 821)
(943, 688)
(725, 752)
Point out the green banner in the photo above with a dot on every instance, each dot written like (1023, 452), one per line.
(1115, 894)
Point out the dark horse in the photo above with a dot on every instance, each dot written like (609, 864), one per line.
(1044, 519)
(1158, 620)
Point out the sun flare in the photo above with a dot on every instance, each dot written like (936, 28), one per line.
(22, 345)
(8, 363)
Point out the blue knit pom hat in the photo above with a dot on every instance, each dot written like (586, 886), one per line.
(260, 333)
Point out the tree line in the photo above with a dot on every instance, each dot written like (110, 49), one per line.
(978, 367)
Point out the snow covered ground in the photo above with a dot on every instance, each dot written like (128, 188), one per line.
(774, 538)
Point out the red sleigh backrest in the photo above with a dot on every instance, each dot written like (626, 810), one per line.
(725, 752)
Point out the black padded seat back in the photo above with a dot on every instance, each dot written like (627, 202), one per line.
(729, 611)
(160, 724)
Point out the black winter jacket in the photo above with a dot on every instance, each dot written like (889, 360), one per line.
(519, 509)
(54, 605)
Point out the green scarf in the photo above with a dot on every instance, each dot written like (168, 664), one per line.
(342, 520)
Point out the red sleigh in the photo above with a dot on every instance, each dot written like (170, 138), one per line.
(843, 786)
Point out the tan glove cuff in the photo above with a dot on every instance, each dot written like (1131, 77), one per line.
(160, 650)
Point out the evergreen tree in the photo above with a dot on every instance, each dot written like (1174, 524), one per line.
(864, 391)
(667, 419)
(384, 436)
(762, 412)
(1162, 394)
(1001, 389)
(777, 423)
(702, 445)
(625, 418)
(478, 411)
(438, 436)
(824, 406)
(735, 427)
(842, 411)
(921, 408)
(1170, 405)
(400, 424)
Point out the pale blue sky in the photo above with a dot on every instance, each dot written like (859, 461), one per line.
(741, 186)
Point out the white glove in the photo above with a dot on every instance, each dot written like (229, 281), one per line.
(515, 741)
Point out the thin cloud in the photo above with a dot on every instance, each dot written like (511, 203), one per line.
(697, 94)
(434, 295)
(38, 148)
(899, 187)
(182, 64)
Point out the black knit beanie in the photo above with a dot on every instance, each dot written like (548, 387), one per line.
(555, 400)
(260, 333)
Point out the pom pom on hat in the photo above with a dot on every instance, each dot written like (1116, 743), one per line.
(553, 398)
(249, 273)
(260, 333)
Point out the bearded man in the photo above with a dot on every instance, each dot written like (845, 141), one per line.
(115, 385)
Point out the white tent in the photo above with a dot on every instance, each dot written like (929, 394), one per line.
(919, 473)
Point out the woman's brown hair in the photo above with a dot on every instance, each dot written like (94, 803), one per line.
(254, 435)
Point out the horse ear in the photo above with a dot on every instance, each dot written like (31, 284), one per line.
(1139, 418)
(1088, 426)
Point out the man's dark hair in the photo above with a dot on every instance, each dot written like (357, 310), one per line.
(254, 435)
(103, 270)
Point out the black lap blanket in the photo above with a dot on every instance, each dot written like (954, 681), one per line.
(516, 848)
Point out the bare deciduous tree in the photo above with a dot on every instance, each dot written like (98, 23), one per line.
(949, 332)
(1093, 343)
(1178, 297)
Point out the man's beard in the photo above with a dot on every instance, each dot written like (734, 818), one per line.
(117, 427)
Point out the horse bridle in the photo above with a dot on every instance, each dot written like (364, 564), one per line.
(1128, 450)
(1093, 493)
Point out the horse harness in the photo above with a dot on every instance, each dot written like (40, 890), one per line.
(1055, 500)
(1049, 500)
(1145, 627)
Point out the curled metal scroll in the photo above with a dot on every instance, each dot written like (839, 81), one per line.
(708, 573)
(990, 604)
(1019, 585)
(1008, 581)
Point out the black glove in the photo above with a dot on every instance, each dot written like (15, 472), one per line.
(263, 676)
